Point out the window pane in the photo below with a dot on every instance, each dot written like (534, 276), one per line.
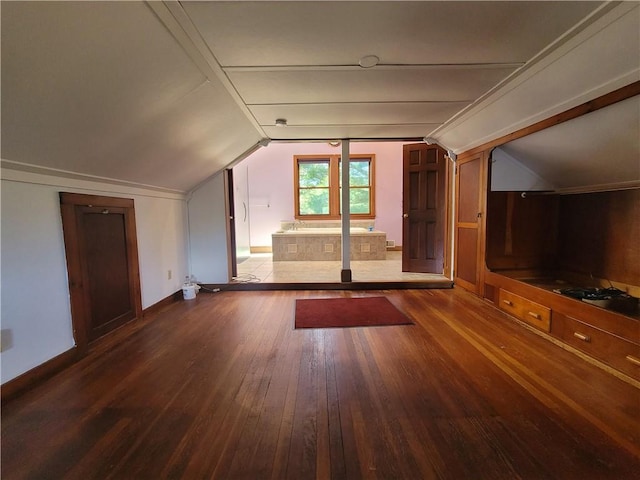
(313, 174)
(314, 201)
(359, 200)
(359, 173)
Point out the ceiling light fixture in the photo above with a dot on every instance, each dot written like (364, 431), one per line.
(368, 61)
(281, 122)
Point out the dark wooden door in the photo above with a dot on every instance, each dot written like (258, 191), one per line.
(102, 263)
(470, 181)
(106, 273)
(424, 206)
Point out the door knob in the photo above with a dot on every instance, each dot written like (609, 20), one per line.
(405, 215)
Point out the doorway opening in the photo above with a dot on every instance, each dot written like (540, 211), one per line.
(282, 239)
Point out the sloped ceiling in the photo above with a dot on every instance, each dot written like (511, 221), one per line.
(104, 89)
(167, 93)
(568, 159)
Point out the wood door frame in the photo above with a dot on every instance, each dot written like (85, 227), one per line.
(450, 202)
(79, 296)
(230, 224)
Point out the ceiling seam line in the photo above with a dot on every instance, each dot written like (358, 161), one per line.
(386, 66)
(381, 102)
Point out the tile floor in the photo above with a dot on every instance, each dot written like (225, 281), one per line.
(260, 267)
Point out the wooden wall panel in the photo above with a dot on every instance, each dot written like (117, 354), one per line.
(521, 232)
(469, 192)
(467, 248)
(600, 235)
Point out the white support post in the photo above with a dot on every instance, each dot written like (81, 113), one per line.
(345, 275)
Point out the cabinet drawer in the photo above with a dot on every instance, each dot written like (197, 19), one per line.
(610, 349)
(531, 312)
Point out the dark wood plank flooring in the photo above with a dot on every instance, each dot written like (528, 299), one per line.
(224, 387)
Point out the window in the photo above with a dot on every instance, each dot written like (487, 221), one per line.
(314, 187)
(318, 186)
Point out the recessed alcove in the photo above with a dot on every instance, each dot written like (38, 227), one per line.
(562, 226)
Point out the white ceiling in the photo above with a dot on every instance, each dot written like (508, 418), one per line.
(169, 93)
(299, 60)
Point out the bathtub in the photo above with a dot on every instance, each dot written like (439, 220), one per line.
(325, 243)
(324, 231)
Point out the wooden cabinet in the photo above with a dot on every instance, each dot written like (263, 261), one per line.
(540, 243)
(530, 312)
(620, 353)
(510, 242)
(610, 337)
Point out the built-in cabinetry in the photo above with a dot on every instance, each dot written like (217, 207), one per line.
(542, 244)
(608, 336)
(551, 207)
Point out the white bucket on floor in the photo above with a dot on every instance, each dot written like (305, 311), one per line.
(189, 292)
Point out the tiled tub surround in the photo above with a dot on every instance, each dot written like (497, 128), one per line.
(315, 241)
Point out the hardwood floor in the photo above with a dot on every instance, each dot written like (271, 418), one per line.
(224, 387)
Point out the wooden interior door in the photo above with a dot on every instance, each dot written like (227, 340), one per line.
(424, 207)
(470, 184)
(102, 261)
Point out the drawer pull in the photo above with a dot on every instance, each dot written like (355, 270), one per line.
(535, 315)
(633, 360)
(508, 302)
(584, 338)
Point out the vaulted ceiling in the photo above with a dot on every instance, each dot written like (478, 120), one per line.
(168, 93)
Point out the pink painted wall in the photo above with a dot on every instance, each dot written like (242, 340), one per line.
(270, 186)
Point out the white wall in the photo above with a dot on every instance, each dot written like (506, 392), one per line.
(36, 316)
(508, 174)
(271, 185)
(207, 232)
